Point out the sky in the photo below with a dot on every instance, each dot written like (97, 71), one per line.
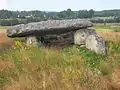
(59, 5)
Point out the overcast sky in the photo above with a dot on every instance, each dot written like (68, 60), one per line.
(59, 5)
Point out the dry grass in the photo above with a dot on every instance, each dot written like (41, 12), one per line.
(112, 36)
(55, 70)
(69, 68)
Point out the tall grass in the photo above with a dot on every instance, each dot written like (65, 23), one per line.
(70, 68)
(52, 68)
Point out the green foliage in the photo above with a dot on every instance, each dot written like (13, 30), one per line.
(107, 13)
(8, 22)
(3, 77)
(8, 18)
(113, 47)
(91, 58)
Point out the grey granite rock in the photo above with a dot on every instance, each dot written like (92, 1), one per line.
(31, 41)
(47, 27)
(61, 39)
(81, 35)
(60, 32)
(96, 44)
(91, 40)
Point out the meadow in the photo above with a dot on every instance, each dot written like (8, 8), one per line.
(107, 27)
(61, 68)
(3, 27)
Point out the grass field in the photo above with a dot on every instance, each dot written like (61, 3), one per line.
(113, 27)
(57, 68)
(3, 27)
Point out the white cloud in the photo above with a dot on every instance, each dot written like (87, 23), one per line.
(3, 4)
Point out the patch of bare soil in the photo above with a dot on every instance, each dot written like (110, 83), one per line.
(6, 64)
(4, 40)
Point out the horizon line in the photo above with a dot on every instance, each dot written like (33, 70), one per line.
(56, 10)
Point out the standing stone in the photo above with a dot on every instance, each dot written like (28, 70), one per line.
(96, 44)
(81, 35)
(90, 39)
(31, 41)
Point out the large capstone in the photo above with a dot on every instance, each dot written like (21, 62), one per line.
(47, 27)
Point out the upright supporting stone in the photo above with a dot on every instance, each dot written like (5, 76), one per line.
(81, 35)
(90, 39)
(31, 41)
(96, 44)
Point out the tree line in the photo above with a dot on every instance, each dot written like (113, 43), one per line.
(8, 18)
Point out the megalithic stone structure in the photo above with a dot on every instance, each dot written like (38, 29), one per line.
(60, 31)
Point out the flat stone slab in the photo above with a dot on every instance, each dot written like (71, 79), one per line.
(47, 27)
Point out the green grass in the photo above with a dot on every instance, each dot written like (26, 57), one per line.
(108, 27)
(3, 27)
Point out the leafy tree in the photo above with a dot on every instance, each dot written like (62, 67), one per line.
(91, 13)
